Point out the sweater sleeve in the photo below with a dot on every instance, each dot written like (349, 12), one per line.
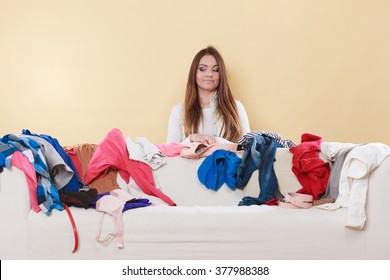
(175, 125)
(243, 118)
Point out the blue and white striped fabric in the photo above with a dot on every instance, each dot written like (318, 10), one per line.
(285, 143)
(47, 194)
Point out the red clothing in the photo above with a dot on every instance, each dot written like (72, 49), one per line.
(112, 153)
(311, 171)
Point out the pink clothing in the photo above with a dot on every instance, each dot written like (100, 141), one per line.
(172, 149)
(113, 205)
(195, 150)
(81, 155)
(21, 161)
(71, 151)
(112, 153)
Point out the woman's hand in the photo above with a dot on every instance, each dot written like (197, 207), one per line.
(203, 138)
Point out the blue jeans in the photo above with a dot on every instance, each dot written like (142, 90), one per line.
(259, 154)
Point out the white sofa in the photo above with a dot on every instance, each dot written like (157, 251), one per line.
(205, 224)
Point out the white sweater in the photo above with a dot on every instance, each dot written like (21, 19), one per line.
(210, 125)
(356, 170)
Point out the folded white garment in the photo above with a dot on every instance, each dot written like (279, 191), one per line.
(144, 150)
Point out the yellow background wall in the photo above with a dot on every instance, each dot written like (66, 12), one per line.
(76, 69)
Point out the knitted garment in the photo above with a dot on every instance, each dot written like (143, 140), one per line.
(311, 171)
(218, 168)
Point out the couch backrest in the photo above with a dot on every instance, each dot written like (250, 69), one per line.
(179, 180)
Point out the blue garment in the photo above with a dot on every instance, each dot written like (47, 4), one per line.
(47, 194)
(218, 168)
(6, 150)
(259, 154)
(75, 182)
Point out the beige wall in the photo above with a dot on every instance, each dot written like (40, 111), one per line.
(76, 69)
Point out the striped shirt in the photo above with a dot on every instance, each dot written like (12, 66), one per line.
(285, 143)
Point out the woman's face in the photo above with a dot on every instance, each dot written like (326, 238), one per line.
(207, 75)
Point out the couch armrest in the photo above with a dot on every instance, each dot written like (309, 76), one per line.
(377, 225)
(14, 195)
(14, 212)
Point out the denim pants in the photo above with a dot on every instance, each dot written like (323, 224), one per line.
(259, 154)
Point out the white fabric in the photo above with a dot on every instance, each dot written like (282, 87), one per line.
(330, 150)
(202, 232)
(145, 151)
(354, 176)
(210, 126)
(206, 224)
(287, 181)
(179, 180)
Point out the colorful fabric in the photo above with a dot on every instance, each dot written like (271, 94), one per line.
(311, 171)
(285, 143)
(47, 193)
(81, 155)
(112, 153)
(6, 150)
(74, 183)
(21, 161)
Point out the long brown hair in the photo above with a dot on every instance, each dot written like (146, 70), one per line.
(226, 105)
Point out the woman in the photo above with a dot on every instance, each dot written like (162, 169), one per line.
(209, 111)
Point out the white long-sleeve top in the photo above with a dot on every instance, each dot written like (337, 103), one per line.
(354, 176)
(211, 124)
